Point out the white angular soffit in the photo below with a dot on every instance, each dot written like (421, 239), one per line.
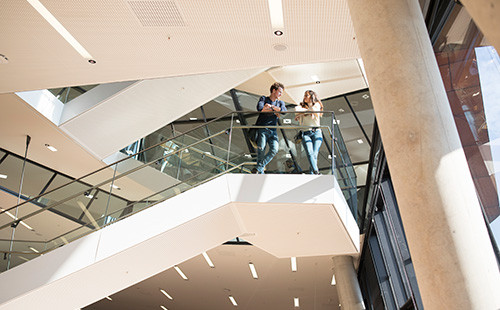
(143, 107)
(306, 216)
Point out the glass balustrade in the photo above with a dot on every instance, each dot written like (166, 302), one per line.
(187, 159)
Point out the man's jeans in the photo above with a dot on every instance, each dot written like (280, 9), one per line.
(311, 140)
(266, 136)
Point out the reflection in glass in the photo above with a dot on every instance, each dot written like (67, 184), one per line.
(470, 72)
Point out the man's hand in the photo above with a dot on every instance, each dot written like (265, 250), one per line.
(267, 108)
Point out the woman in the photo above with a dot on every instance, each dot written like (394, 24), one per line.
(311, 138)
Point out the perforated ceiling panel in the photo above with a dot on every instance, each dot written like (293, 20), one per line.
(157, 13)
(133, 40)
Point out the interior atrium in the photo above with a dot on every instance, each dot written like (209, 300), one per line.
(128, 170)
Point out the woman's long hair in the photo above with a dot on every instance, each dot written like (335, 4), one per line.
(314, 99)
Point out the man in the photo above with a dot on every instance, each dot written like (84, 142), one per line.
(268, 135)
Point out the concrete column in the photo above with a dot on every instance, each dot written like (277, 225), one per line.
(347, 283)
(486, 15)
(449, 244)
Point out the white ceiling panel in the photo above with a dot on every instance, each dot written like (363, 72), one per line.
(201, 37)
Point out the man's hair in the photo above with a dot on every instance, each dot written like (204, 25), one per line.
(276, 86)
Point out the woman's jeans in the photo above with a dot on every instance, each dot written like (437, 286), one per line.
(266, 136)
(311, 140)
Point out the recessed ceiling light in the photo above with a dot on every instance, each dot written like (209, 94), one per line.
(109, 298)
(475, 94)
(60, 28)
(365, 96)
(293, 261)
(115, 187)
(276, 14)
(163, 307)
(209, 261)
(34, 250)
(341, 110)
(193, 119)
(233, 301)
(333, 280)
(360, 141)
(278, 33)
(3, 176)
(237, 121)
(288, 155)
(129, 152)
(253, 271)
(166, 294)
(179, 271)
(50, 147)
(296, 302)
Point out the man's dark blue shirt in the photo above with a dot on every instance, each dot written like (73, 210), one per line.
(268, 119)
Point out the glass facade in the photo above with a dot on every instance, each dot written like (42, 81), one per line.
(470, 69)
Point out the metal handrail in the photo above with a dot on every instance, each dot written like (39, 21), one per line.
(17, 220)
(152, 204)
(112, 164)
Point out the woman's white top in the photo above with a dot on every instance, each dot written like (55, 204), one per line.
(309, 119)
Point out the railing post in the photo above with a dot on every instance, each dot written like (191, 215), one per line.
(230, 137)
(109, 196)
(14, 225)
(333, 145)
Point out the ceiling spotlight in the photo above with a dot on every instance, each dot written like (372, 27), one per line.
(115, 187)
(88, 195)
(92, 61)
(278, 33)
(109, 298)
(50, 147)
(365, 96)
(315, 78)
(15, 218)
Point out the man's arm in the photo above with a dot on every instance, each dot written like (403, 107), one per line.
(261, 103)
